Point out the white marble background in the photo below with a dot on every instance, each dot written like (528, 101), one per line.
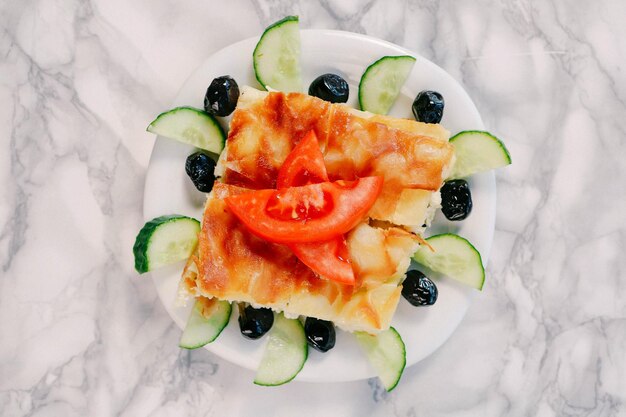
(82, 335)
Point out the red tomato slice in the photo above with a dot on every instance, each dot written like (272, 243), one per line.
(329, 259)
(304, 164)
(312, 213)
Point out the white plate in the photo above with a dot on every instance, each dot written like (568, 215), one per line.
(168, 190)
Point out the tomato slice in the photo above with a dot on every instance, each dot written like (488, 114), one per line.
(304, 164)
(311, 213)
(329, 259)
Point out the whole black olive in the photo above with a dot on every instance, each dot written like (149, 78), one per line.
(201, 170)
(255, 322)
(418, 289)
(330, 87)
(456, 200)
(221, 96)
(320, 334)
(428, 107)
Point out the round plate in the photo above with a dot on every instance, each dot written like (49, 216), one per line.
(168, 190)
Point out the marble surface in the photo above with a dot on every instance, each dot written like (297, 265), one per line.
(82, 335)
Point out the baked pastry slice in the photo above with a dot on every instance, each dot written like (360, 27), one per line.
(233, 264)
(413, 157)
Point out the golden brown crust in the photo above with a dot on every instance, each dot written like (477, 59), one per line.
(262, 135)
(235, 265)
(265, 131)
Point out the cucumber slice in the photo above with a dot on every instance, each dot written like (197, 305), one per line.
(165, 240)
(386, 353)
(381, 82)
(206, 321)
(276, 57)
(455, 257)
(477, 151)
(192, 126)
(285, 352)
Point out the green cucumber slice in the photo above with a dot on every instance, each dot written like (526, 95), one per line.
(285, 352)
(191, 126)
(206, 321)
(381, 82)
(386, 353)
(276, 57)
(455, 257)
(165, 240)
(477, 151)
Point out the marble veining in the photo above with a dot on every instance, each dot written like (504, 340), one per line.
(82, 335)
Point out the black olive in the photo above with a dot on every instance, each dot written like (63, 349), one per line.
(330, 87)
(221, 96)
(255, 322)
(200, 168)
(320, 334)
(428, 107)
(418, 289)
(456, 200)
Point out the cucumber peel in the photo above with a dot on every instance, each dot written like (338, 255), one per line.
(191, 126)
(276, 57)
(477, 151)
(285, 353)
(386, 353)
(455, 257)
(208, 317)
(381, 82)
(165, 240)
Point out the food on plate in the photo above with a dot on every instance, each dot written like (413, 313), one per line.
(387, 354)
(285, 353)
(314, 209)
(330, 87)
(165, 240)
(236, 265)
(477, 151)
(200, 169)
(276, 58)
(412, 157)
(418, 289)
(453, 256)
(191, 126)
(428, 107)
(241, 252)
(456, 200)
(320, 334)
(221, 96)
(381, 82)
(208, 317)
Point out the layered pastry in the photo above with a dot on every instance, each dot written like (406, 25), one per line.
(233, 263)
